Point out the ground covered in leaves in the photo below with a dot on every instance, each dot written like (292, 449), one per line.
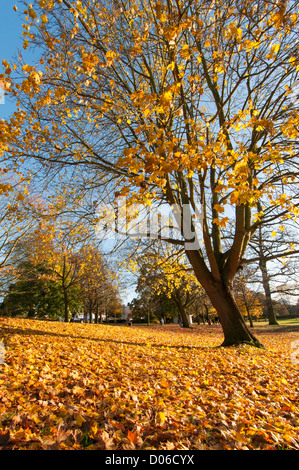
(81, 386)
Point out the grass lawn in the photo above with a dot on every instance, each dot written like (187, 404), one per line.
(282, 322)
(82, 386)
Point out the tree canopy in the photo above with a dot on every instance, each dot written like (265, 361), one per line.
(190, 104)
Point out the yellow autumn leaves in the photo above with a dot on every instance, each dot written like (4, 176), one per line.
(191, 40)
(76, 386)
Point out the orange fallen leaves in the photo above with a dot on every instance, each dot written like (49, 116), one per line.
(75, 386)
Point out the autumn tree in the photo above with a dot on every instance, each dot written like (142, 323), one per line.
(149, 307)
(187, 104)
(98, 285)
(164, 270)
(19, 213)
(57, 256)
(274, 249)
(286, 282)
(46, 256)
(33, 293)
(246, 291)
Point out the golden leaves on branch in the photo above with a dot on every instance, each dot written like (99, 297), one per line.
(181, 61)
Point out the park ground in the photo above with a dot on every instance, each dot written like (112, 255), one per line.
(84, 386)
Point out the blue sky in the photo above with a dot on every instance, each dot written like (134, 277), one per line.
(11, 40)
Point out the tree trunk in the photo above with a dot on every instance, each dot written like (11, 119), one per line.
(85, 316)
(248, 313)
(66, 306)
(265, 280)
(266, 285)
(96, 320)
(233, 324)
(182, 311)
(197, 314)
(221, 296)
(207, 313)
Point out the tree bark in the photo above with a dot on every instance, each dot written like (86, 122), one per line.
(96, 320)
(222, 298)
(207, 313)
(266, 285)
(90, 314)
(248, 313)
(182, 311)
(197, 314)
(265, 279)
(233, 324)
(66, 306)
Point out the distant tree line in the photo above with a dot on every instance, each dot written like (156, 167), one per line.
(58, 279)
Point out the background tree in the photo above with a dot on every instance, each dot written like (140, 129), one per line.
(52, 256)
(60, 256)
(164, 271)
(247, 296)
(184, 104)
(148, 307)
(34, 294)
(18, 217)
(99, 287)
(286, 281)
(274, 247)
